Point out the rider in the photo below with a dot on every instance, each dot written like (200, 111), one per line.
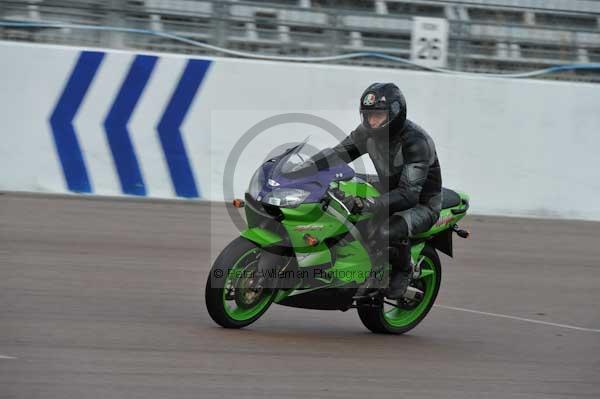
(409, 174)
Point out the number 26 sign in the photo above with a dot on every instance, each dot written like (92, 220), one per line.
(429, 41)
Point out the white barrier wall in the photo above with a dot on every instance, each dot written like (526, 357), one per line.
(158, 125)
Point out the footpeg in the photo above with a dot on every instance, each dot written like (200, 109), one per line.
(366, 295)
(369, 288)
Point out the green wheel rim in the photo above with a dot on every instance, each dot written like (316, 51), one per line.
(396, 317)
(232, 310)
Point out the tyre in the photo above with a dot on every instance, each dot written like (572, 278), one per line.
(388, 319)
(231, 300)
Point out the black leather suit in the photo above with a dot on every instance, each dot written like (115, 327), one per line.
(409, 178)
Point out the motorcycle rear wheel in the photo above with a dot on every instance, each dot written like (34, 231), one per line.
(387, 319)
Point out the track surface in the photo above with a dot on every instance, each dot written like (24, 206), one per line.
(104, 299)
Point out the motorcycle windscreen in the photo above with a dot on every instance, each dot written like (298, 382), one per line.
(303, 161)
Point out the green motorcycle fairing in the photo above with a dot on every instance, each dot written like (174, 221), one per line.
(261, 237)
(344, 263)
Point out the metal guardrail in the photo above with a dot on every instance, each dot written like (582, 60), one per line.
(283, 29)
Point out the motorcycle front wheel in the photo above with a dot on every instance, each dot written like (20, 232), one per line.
(231, 298)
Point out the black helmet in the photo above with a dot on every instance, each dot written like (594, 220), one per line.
(386, 97)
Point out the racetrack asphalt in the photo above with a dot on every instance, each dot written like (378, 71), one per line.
(104, 298)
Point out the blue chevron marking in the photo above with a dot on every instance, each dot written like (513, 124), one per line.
(61, 121)
(116, 121)
(169, 128)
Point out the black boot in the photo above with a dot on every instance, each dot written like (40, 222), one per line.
(399, 284)
(401, 270)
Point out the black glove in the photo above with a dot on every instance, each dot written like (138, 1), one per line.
(359, 205)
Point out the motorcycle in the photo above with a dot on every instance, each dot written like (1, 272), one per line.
(304, 248)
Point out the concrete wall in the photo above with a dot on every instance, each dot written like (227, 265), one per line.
(159, 125)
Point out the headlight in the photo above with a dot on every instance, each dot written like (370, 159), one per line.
(256, 183)
(286, 197)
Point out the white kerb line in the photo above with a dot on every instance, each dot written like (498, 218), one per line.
(519, 318)
(7, 357)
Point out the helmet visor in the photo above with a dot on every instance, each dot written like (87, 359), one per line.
(374, 119)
